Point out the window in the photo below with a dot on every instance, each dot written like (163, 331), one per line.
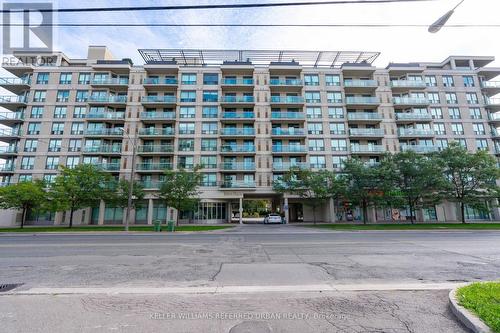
(30, 145)
(79, 112)
(439, 129)
(448, 81)
(39, 96)
(188, 78)
(462, 142)
(436, 113)
(337, 128)
(77, 128)
(187, 112)
(52, 162)
(475, 113)
(210, 78)
(441, 144)
(468, 81)
(208, 144)
(75, 145)
(430, 81)
(313, 112)
(338, 161)
(311, 80)
(57, 128)
(65, 78)
(55, 145)
(27, 163)
(471, 98)
(454, 113)
(188, 96)
(84, 78)
(25, 178)
(451, 98)
(209, 179)
(42, 78)
(186, 128)
(209, 162)
(60, 112)
(457, 129)
(339, 145)
(49, 178)
(36, 112)
(209, 112)
(317, 162)
(335, 113)
(209, 128)
(316, 145)
(72, 161)
(186, 144)
(433, 98)
(313, 97)
(334, 97)
(81, 96)
(210, 96)
(62, 96)
(332, 80)
(186, 162)
(315, 128)
(478, 129)
(34, 128)
(482, 144)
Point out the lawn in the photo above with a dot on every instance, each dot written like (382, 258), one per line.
(438, 226)
(87, 228)
(482, 298)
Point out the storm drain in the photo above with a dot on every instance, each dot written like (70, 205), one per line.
(9, 286)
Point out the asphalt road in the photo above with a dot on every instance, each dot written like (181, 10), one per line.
(251, 256)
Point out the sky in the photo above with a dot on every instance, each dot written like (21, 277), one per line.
(395, 44)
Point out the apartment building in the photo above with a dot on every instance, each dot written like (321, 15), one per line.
(247, 116)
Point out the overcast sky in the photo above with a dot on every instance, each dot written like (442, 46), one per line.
(395, 44)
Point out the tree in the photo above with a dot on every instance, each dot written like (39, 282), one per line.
(24, 196)
(118, 196)
(180, 189)
(417, 180)
(314, 187)
(79, 187)
(470, 178)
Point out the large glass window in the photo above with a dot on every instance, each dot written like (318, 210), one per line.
(210, 78)
(188, 96)
(65, 78)
(209, 112)
(188, 78)
(187, 112)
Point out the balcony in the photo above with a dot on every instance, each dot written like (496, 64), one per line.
(103, 149)
(237, 84)
(154, 167)
(419, 148)
(238, 100)
(237, 132)
(237, 184)
(285, 166)
(237, 166)
(13, 102)
(158, 100)
(491, 87)
(412, 117)
(115, 132)
(414, 132)
(286, 85)
(289, 149)
(287, 100)
(105, 116)
(494, 117)
(409, 101)
(120, 100)
(364, 116)
(114, 83)
(288, 116)
(151, 184)
(157, 132)
(164, 83)
(404, 85)
(10, 118)
(7, 168)
(9, 134)
(153, 115)
(366, 132)
(238, 116)
(115, 166)
(8, 150)
(362, 100)
(367, 149)
(285, 132)
(230, 149)
(360, 85)
(14, 84)
(154, 149)
(492, 103)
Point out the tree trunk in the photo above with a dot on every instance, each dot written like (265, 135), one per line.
(462, 211)
(365, 212)
(23, 218)
(410, 204)
(71, 217)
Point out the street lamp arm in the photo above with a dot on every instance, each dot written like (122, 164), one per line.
(436, 26)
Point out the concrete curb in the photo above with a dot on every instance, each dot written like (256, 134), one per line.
(467, 318)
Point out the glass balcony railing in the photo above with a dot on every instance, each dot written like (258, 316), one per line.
(246, 166)
(490, 84)
(287, 115)
(285, 166)
(10, 132)
(238, 99)
(364, 116)
(494, 116)
(158, 99)
(111, 81)
(237, 131)
(8, 150)
(158, 81)
(108, 166)
(106, 115)
(415, 132)
(237, 184)
(419, 148)
(237, 149)
(291, 131)
(366, 132)
(103, 149)
(410, 101)
(413, 116)
(491, 101)
(107, 99)
(105, 131)
(287, 99)
(367, 149)
(238, 115)
(150, 184)
(278, 82)
(289, 149)
(156, 131)
(362, 100)
(237, 82)
(6, 167)
(155, 149)
(157, 115)
(360, 83)
(14, 81)
(13, 99)
(11, 116)
(154, 166)
(408, 84)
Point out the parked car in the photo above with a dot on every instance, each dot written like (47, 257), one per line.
(272, 218)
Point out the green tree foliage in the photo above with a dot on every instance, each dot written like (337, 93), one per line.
(79, 187)
(471, 179)
(119, 193)
(23, 196)
(180, 189)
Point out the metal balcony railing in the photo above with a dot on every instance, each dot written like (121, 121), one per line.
(155, 149)
(287, 115)
(157, 115)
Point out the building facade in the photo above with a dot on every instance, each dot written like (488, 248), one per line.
(245, 116)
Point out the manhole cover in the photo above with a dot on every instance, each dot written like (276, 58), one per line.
(251, 327)
(9, 286)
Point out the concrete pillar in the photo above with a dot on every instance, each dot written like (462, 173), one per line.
(58, 218)
(241, 210)
(150, 211)
(496, 210)
(287, 210)
(440, 213)
(229, 211)
(102, 207)
(331, 211)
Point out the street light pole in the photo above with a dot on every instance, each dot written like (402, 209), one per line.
(131, 184)
(436, 26)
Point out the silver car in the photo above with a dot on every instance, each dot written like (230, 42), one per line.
(272, 218)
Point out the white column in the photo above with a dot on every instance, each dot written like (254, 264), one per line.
(58, 218)
(286, 209)
(150, 211)
(331, 211)
(241, 210)
(102, 207)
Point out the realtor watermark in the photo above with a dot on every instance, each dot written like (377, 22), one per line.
(244, 316)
